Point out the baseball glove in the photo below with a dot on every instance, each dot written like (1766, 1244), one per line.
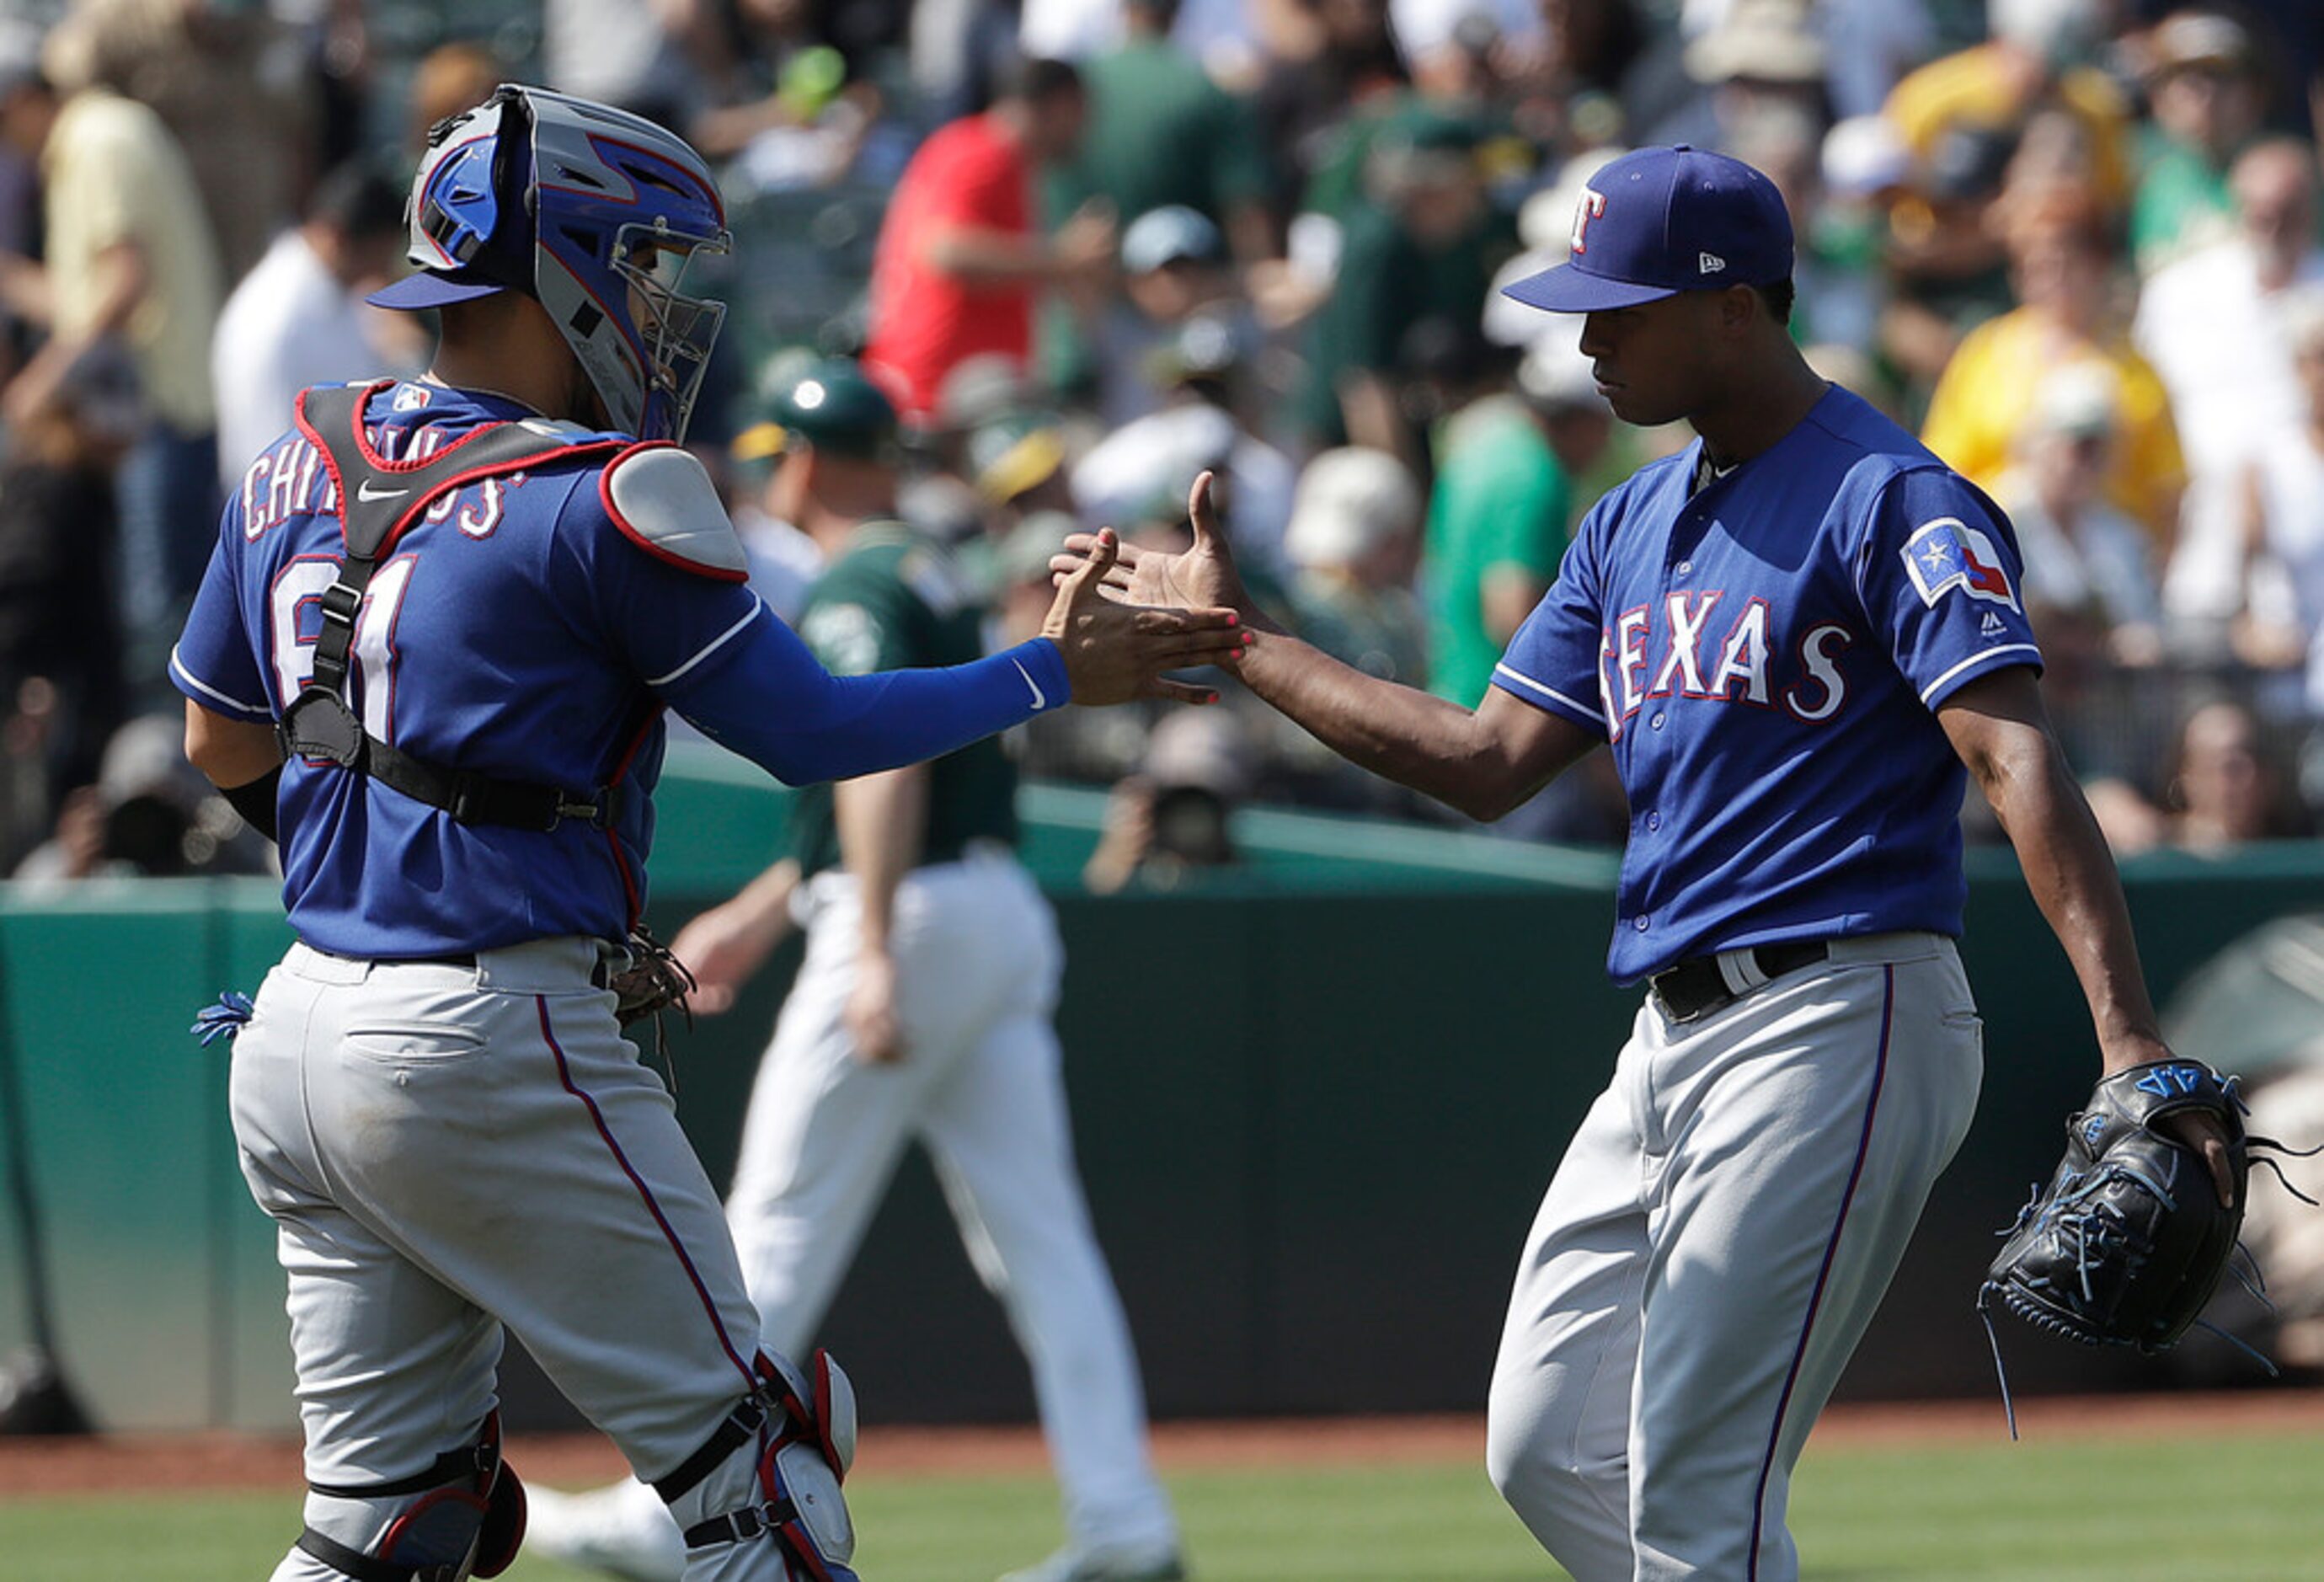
(651, 982)
(2127, 1243)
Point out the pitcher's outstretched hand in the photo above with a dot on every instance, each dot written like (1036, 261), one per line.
(1202, 576)
(1117, 648)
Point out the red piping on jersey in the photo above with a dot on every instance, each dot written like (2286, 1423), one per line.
(605, 495)
(645, 1193)
(1823, 1275)
(613, 838)
(373, 458)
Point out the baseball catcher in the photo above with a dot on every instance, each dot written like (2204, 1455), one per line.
(2132, 1235)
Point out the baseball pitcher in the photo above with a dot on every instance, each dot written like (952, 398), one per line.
(1798, 638)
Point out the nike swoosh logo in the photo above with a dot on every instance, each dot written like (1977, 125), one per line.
(1040, 698)
(364, 490)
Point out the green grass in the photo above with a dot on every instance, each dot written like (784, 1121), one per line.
(2194, 1509)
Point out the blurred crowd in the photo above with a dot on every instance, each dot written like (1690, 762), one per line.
(1094, 248)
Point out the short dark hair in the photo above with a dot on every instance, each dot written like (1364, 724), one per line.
(1779, 296)
(1035, 79)
(356, 199)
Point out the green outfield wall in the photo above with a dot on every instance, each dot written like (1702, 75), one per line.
(1317, 1097)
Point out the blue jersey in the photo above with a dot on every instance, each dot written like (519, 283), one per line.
(1766, 657)
(523, 629)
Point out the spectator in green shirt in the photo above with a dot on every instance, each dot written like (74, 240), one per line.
(1423, 244)
(2207, 93)
(1501, 510)
(1160, 132)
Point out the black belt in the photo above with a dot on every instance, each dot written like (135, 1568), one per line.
(600, 976)
(1695, 987)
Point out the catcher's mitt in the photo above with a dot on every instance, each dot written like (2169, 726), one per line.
(2129, 1241)
(652, 981)
(647, 984)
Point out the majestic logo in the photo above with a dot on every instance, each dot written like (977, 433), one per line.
(1993, 626)
(1591, 205)
(1949, 553)
(1708, 264)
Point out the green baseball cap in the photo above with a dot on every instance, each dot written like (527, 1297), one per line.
(1012, 455)
(829, 403)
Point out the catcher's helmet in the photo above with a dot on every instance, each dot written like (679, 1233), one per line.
(828, 404)
(593, 212)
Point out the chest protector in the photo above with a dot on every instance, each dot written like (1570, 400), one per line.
(379, 500)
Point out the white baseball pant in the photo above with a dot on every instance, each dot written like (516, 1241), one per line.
(1709, 1253)
(981, 1085)
(449, 1148)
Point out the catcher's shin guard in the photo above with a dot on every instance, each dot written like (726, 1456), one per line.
(462, 1517)
(771, 1473)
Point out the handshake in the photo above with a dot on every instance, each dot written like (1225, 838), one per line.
(1123, 616)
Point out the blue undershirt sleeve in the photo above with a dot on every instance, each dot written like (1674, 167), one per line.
(763, 695)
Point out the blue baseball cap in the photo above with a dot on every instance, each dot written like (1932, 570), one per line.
(425, 288)
(1659, 221)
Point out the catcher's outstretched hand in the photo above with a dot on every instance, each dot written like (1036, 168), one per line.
(1116, 646)
(1202, 576)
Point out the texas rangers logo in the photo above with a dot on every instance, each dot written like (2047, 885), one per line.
(1591, 205)
(1949, 553)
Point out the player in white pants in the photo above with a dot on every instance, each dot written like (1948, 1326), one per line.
(559, 1208)
(1799, 640)
(921, 1012)
(978, 965)
(1794, 1135)
(431, 653)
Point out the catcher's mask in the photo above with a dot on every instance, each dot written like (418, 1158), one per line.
(597, 214)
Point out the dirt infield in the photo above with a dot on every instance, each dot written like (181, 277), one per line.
(36, 1468)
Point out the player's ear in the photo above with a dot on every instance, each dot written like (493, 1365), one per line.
(1740, 307)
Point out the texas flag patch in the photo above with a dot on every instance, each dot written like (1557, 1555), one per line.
(1949, 553)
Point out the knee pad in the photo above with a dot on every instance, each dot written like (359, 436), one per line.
(771, 1471)
(463, 1517)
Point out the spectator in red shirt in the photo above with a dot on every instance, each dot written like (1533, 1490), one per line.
(961, 257)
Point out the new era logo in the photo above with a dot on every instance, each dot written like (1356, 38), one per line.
(1709, 264)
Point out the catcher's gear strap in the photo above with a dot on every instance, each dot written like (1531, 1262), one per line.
(467, 1520)
(740, 1424)
(664, 503)
(318, 726)
(803, 1423)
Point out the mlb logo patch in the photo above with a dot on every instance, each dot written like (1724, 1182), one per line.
(1949, 553)
(409, 398)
